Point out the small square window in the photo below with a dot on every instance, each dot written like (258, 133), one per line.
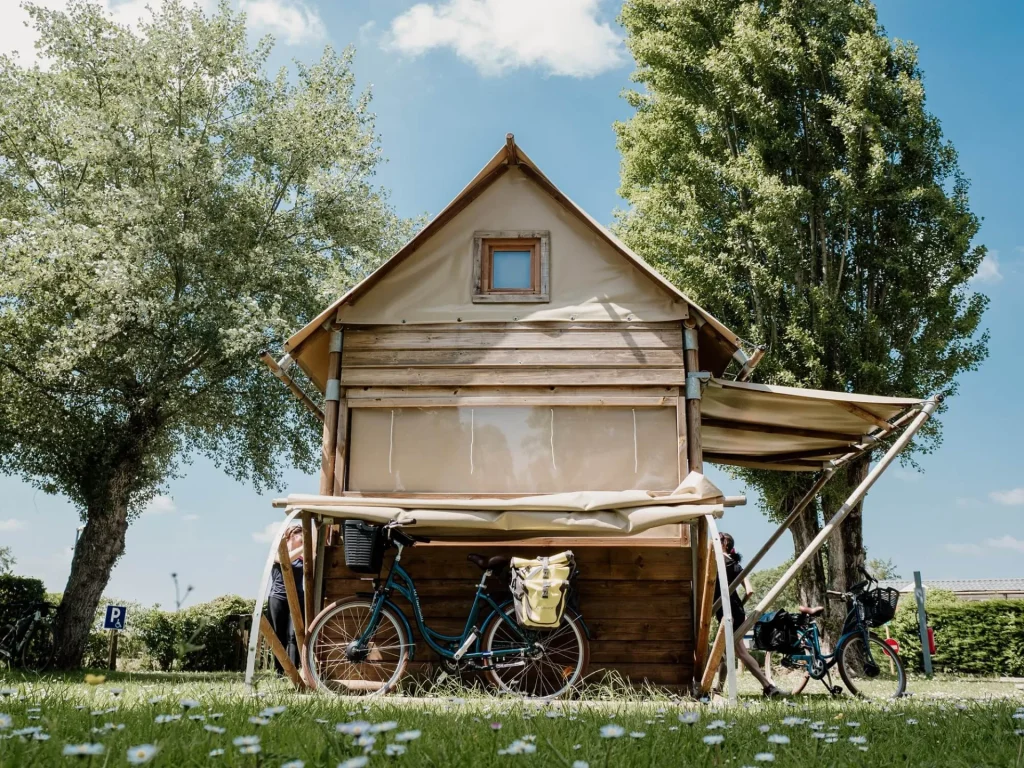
(510, 266)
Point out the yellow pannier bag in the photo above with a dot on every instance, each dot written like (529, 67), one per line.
(540, 589)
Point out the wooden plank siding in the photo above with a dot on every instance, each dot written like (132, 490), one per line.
(635, 600)
(514, 354)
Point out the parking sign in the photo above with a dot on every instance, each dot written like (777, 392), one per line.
(116, 617)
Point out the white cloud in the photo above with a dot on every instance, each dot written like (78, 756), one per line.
(1012, 498)
(988, 270)
(964, 549)
(12, 525)
(292, 21)
(160, 505)
(1006, 542)
(190, 518)
(561, 37)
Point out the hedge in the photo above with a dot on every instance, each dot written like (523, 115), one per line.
(971, 637)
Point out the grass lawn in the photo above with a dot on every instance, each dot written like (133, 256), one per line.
(188, 717)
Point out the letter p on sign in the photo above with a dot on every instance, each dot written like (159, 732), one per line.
(116, 617)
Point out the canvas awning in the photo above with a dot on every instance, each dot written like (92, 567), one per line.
(577, 514)
(788, 428)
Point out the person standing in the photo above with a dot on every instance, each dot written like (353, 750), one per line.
(277, 603)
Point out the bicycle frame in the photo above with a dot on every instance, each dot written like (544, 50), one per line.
(810, 638)
(400, 581)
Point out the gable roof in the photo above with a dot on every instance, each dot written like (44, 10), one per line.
(724, 342)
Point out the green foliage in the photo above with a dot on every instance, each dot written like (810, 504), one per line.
(17, 595)
(203, 638)
(983, 637)
(6, 560)
(882, 569)
(781, 167)
(167, 211)
(765, 579)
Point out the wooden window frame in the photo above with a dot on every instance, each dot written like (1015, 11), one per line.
(538, 243)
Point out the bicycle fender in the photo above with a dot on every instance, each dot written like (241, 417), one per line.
(405, 625)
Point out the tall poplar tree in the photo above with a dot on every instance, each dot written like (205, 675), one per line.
(782, 168)
(167, 210)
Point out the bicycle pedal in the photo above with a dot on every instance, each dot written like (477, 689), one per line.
(442, 677)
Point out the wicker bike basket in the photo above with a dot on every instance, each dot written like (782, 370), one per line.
(364, 546)
(879, 605)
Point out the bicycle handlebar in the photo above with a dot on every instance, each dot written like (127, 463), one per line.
(833, 594)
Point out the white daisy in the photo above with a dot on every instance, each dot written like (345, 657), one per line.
(580, 764)
(355, 728)
(215, 753)
(393, 750)
(252, 749)
(214, 729)
(714, 739)
(189, 703)
(636, 734)
(390, 725)
(858, 739)
(407, 736)
(764, 757)
(689, 718)
(612, 731)
(245, 741)
(293, 764)
(83, 750)
(778, 738)
(354, 762)
(141, 754)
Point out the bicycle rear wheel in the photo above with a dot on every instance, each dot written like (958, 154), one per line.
(37, 652)
(788, 680)
(332, 659)
(562, 658)
(872, 671)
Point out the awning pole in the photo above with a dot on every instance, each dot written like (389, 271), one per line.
(927, 408)
(801, 505)
(261, 598)
(723, 581)
(281, 371)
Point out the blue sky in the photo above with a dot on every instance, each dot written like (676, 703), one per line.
(449, 80)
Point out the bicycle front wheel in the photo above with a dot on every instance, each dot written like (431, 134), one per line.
(333, 658)
(559, 661)
(872, 671)
(37, 651)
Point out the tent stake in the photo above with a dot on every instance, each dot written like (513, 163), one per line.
(927, 408)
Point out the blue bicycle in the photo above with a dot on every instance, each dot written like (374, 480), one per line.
(362, 645)
(869, 666)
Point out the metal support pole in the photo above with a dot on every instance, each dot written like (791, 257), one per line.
(922, 623)
(927, 408)
(730, 647)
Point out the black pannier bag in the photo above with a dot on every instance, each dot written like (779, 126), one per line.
(364, 546)
(777, 631)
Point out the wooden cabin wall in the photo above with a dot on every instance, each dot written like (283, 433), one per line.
(634, 598)
(636, 594)
(513, 354)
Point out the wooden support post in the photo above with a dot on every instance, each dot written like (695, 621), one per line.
(308, 564)
(341, 446)
(681, 441)
(322, 527)
(279, 652)
(332, 398)
(707, 678)
(708, 572)
(294, 607)
(691, 359)
(295, 389)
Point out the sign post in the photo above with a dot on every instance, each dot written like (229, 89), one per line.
(114, 621)
(922, 624)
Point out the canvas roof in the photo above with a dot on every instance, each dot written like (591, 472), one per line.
(771, 427)
(308, 345)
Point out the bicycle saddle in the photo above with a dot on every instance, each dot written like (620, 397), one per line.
(812, 612)
(484, 563)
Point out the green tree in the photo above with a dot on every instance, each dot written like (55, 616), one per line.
(7, 560)
(167, 210)
(882, 569)
(782, 168)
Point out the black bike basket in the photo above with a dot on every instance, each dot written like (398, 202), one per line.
(879, 605)
(777, 631)
(364, 546)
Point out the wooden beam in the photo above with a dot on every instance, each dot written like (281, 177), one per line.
(695, 449)
(289, 382)
(511, 156)
(294, 606)
(778, 429)
(341, 446)
(708, 571)
(580, 375)
(308, 564)
(279, 652)
(707, 677)
(863, 413)
(318, 565)
(548, 399)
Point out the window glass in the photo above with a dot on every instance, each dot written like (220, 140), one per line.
(511, 271)
(513, 449)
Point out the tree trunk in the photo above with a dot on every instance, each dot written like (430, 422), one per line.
(846, 543)
(98, 548)
(810, 579)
